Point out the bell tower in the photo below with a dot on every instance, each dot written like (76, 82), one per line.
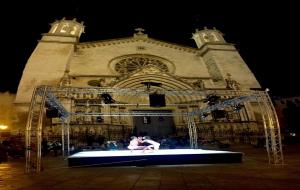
(206, 36)
(66, 27)
(49, 61)
(222, 59)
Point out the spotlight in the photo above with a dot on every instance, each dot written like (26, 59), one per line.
(107, 98)
(204, 115)
(237, 108)
(212, 99)
(52, 113)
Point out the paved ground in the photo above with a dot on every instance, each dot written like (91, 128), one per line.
(253, 173)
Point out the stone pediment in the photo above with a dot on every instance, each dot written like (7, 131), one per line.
(145, 40)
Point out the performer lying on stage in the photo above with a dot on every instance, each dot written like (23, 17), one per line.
(152, 144)
(135, 144)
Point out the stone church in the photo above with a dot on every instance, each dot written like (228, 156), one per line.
(138, 62)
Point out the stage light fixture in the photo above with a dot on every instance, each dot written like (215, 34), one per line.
(237, 108)
(52, 113)
(212, 99)
(107, 98)
(204, 115)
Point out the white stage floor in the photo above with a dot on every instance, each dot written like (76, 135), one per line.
(117, 153)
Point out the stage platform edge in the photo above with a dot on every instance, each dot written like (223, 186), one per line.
(160, 157)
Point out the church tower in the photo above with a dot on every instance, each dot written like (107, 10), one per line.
(223, 61)
(49, 62)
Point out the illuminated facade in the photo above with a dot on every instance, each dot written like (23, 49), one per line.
(61, 60)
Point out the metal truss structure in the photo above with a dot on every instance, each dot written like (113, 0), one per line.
(51, 97)
(53, 103)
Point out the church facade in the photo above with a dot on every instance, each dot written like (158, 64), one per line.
(139, 62)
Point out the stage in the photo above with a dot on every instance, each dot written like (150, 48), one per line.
(159, 157)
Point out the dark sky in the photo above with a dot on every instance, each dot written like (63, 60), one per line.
(266, 35)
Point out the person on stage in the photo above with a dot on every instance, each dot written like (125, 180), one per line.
(135, 144)
(152, 145)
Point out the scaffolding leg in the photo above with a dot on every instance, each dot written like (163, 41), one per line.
(272, 131)
(192, 132)
(63, 139)
(266, 130)
(68, 138)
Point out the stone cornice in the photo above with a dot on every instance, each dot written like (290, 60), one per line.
(21, 103)
(183, 77)
(216, 88)
(113, 76)
(54, 38)
(132, 39)
(94, 75)
(205, 48)
(59, 42)
(66, 35)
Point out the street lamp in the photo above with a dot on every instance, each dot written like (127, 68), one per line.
(3, 127)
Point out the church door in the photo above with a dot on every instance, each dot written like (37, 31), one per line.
(153, 126)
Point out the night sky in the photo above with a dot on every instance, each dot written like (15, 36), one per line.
(266, 35)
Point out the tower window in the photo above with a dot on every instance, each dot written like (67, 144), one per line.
(64, 28)
(54, 28)
(73, 31)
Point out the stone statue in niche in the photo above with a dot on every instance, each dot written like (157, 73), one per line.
(102, 82)
(98, 83)
(231, 84)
